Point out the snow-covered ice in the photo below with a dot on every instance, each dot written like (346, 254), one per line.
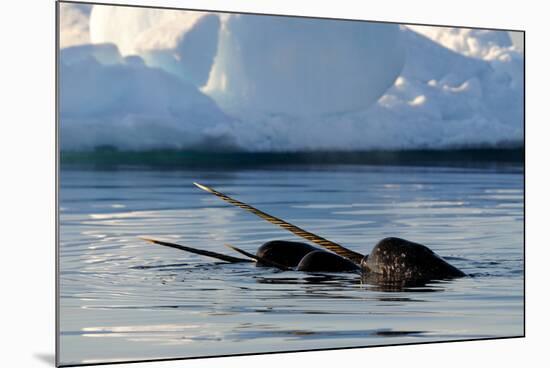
(178, 79)
(130, 105)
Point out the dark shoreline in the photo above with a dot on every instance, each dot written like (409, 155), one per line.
(176, 159)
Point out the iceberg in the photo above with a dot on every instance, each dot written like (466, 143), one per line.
(180, 42)
(208, 81)
(128, 105)
(74, 24)
(300, 66)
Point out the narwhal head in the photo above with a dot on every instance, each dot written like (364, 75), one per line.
(392, 259)
(396, 259)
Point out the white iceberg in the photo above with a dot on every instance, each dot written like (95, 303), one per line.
(261, 83)
(180, 42)
(298, 66)
(129, 105)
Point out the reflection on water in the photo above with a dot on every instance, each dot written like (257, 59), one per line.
(123, 298)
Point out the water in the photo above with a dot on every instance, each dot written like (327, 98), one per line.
(124, 299)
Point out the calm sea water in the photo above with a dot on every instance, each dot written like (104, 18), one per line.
(124, 299)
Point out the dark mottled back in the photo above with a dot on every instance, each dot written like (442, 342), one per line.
(323, 261)
(286, 253)
(395, 259)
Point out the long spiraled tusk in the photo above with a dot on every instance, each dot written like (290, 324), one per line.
(336, 248)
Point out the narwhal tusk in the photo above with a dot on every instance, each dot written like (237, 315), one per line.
(259, 259)
(336, 248)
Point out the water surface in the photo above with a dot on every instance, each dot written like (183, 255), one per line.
(124, 299)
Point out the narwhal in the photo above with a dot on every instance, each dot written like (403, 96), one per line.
(392, 260)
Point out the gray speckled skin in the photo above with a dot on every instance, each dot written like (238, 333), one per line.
(397, 260)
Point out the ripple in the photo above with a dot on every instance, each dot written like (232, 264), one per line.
(148, 299)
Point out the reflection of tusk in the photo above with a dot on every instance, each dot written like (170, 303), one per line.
(336, 248)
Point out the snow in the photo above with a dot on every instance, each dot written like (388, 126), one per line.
(477, 43)
(181, 42)
(179, 79)
(106, 53)
(74, 25)
(303, 67)
(129, 105)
